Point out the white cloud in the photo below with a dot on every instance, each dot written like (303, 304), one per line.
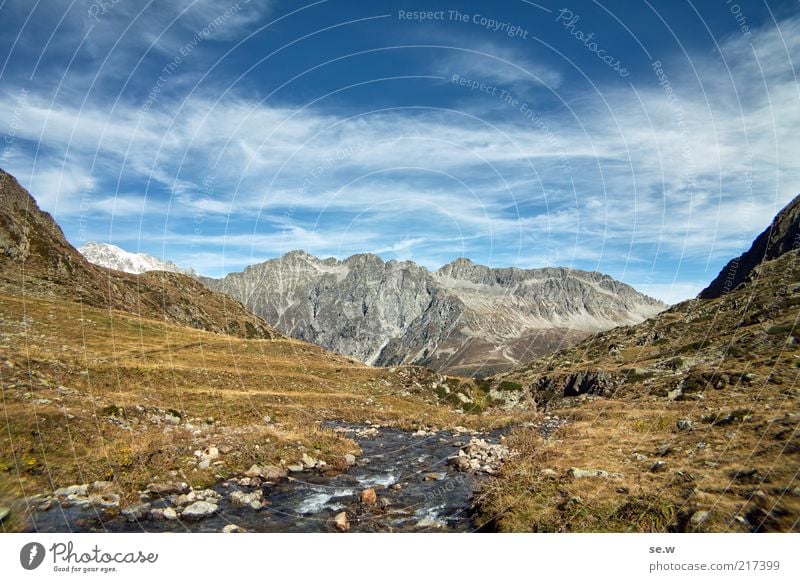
(505, 68)
(628, 179)
(671, 293)
(62, 191)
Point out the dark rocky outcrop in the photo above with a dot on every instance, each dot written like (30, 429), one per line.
(597, 382)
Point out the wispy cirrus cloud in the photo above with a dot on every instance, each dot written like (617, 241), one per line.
(629, 180)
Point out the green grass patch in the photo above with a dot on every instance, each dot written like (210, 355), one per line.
(784, 329)
(508, 386)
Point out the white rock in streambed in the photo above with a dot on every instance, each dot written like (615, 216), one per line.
(161, 513)
(108, 501)
(77, 490)
(242, 499)
(199, 510)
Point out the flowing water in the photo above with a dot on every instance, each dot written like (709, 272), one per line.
(417, 491)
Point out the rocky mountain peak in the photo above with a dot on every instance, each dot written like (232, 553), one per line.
(299, 255)
(364, 259)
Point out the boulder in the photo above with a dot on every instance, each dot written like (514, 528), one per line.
(459, 462)
(136, 512)
(341, 522)
(350, 459)
(233, 528)
(106, 500)
(76, 501)
(199, 510)
(77, 490)
(254, 471)
(369, 497)
(170, 514)
(242, 499)
(273, 473)
(590, 473)
(675, 394)
(577, 383)
(161, 513)
(167, 488)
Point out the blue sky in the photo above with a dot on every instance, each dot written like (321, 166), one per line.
(651, 141)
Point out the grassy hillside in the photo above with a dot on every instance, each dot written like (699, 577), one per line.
(37, 261)
(693, 415)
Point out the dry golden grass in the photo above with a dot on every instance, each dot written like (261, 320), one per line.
(86, 393)
(743, 471)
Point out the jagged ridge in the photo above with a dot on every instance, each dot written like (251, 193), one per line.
(464, 318)
(780, 237)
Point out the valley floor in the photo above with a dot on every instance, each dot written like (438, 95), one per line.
(96, 395)
(93, 395)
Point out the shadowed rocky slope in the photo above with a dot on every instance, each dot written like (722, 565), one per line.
(36, 260)
(782, 236)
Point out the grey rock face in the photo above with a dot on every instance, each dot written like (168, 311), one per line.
(463, 318)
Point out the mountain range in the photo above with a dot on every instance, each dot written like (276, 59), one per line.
(743, 320)
(463, 318)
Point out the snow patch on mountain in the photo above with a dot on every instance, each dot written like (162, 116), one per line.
(113, 257)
